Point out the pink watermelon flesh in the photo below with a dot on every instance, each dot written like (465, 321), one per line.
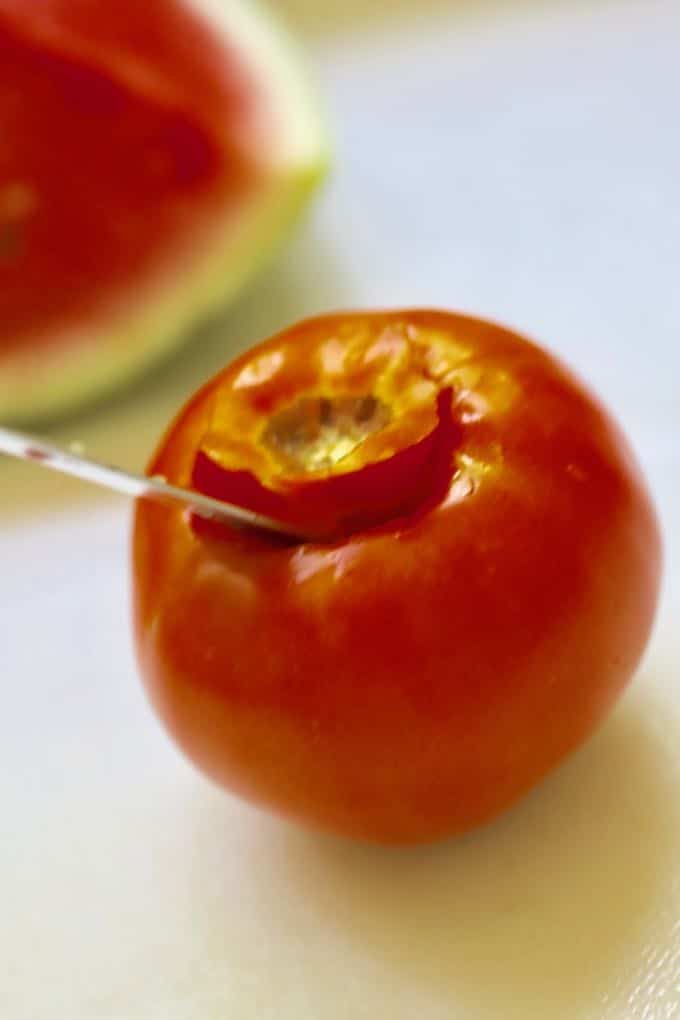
(122, 131)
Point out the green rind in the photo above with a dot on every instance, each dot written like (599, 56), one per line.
(45, 382)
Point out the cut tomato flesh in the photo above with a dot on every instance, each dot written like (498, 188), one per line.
(331, 434)
(334, 505)
(102, 182)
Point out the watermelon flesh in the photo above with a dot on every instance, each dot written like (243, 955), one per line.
(141, 154)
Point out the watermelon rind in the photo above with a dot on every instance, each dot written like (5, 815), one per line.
(43, 381)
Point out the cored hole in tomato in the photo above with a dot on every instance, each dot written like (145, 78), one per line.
(317, 433)
(331, 467)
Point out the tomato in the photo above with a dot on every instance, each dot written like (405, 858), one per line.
(479, 589)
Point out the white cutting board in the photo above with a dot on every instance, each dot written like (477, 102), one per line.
(522, 163)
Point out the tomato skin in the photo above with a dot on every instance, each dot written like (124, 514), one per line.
(408, 683)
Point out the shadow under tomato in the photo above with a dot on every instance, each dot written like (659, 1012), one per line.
(532, 915)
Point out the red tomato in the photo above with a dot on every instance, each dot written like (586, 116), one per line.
(483, 591)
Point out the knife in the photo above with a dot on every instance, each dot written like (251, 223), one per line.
(31, 448)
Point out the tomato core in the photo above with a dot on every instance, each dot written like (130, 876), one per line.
(331, 456)
(316, 434)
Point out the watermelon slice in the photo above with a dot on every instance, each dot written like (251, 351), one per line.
(152, 153)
